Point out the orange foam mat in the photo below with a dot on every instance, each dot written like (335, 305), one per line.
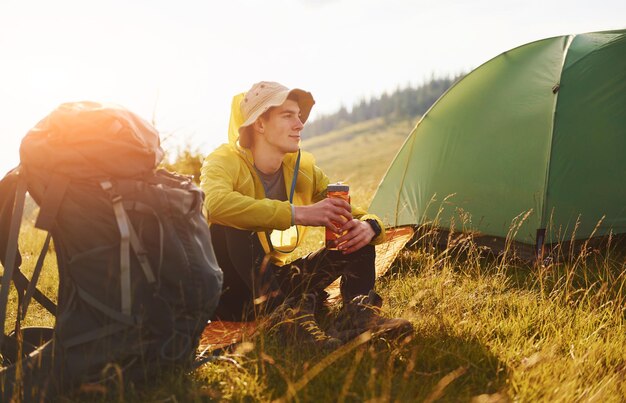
(220, 334)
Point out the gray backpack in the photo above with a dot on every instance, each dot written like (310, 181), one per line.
(138, 279)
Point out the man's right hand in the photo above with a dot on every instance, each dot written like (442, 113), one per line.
(324, 213)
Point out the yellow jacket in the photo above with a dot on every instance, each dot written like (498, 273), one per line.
(235, 196)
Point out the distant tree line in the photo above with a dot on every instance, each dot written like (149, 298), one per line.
(403, 103)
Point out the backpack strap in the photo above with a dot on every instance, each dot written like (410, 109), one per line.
(30, 291)
(142, 254)
(26, 289)
(11, 251)
(21, 283)
(123, 225)
(135, 241)
(98, 333)
(112, 313)
(128, 239)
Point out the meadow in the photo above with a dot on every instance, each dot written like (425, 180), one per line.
(488, 328)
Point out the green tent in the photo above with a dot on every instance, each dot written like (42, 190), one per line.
(531, 144)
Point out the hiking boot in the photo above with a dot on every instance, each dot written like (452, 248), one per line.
(363, 313)
(296, 322)
(323, 307)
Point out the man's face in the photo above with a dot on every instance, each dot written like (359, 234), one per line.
(282, 126)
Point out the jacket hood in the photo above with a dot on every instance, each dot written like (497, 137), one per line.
(236, 119)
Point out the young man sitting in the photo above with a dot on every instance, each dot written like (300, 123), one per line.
(262, 192)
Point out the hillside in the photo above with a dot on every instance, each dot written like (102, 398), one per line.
(359, 154)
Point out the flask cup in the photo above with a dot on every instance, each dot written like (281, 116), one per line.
(342, 191)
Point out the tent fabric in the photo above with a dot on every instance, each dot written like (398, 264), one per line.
(587, 175)
(533, 139)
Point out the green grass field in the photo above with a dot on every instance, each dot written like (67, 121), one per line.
(487, 329)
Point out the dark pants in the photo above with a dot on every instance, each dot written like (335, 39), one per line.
(248, 285)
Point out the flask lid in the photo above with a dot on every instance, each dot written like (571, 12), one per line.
(338, 187)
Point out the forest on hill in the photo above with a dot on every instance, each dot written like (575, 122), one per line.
(403, 103)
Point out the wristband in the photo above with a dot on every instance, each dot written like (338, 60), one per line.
(375, 226)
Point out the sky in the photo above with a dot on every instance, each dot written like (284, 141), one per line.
(178, 63)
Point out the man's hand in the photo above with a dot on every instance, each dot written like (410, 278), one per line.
(359, 233)
(324, 213)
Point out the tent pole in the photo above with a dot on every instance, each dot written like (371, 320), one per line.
(540, 237)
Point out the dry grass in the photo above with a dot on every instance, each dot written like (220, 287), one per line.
(488, 329)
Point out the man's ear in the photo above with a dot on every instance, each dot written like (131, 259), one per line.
(259, 126)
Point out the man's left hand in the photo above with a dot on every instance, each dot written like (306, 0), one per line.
(359, 233)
